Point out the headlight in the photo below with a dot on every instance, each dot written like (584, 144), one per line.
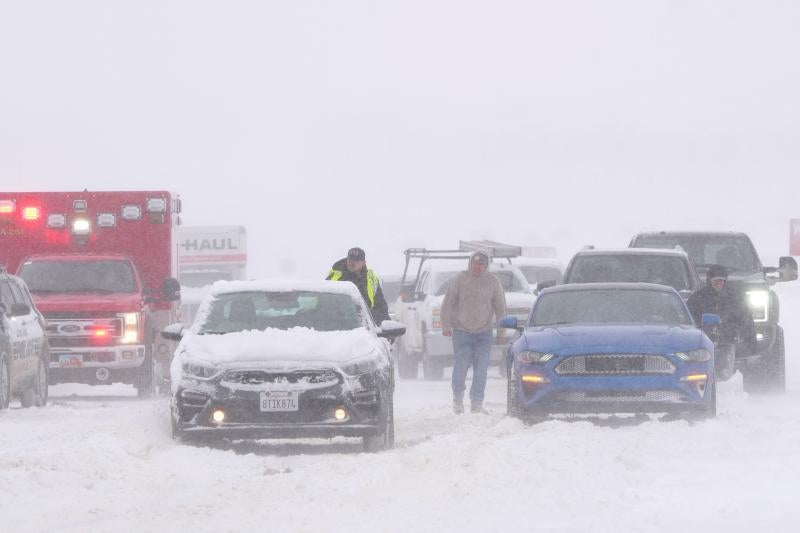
(758, 301)
(695, 355)
(534, 357)
(130, 334)
(198, 370)
(362, 366)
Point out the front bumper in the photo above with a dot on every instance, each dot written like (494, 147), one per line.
(615, 393)
(194, 403)
(111, 357)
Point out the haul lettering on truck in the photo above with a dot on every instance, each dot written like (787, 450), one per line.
(208, 244)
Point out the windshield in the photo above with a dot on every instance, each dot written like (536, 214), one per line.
(243, 311)
(534, 274)
(510, 282)
(610, 306)
(664, 270)
(732, 251)
(79, 276)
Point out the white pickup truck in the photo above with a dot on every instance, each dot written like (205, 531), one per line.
(421, 311)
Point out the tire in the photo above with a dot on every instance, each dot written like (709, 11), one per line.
(37, 393)
(384, 439)
(5, 381)
(146, 385)
(768, 375)
(513, 408)
(432, 369)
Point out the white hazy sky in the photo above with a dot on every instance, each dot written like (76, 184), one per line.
(323, 125)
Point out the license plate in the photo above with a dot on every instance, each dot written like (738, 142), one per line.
(279, 401)
(70, 360)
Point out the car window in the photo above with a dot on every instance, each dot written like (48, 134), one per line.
(660, 269)
(732, 251)
(78, 276)
(244, 311)
(17, 292)
(534, 273)
(610, 306)
(509, 281)
(441, 280)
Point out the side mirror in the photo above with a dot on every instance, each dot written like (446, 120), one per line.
(171, 290)
(391, 329)
(19, 310)
(542, 285)
(173, 332)
(710, 319)
(509, 322)
(787, 266)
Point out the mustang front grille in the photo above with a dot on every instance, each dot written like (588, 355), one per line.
(614, 364)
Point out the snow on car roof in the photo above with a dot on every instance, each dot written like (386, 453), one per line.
(285, 285)
(608, 286)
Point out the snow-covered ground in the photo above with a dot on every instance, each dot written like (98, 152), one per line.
(103, 460)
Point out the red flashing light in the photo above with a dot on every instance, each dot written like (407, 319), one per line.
(101, 333)
(31, 213)
(7, 207)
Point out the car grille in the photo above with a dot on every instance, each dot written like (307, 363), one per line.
(261, 377)
(618, 396)
(615, 364)
(82, 332)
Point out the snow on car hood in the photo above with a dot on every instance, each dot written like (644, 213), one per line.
(282, 347)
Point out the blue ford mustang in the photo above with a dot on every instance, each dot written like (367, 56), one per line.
(611, 348)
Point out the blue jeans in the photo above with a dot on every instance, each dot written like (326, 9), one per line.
(471, 349)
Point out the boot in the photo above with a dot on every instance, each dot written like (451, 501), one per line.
(458, 406)
(477, 407)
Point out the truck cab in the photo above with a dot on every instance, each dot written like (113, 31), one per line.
(765, 370)
(100, 267)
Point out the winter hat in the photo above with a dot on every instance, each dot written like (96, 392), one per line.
(357, 254)
(717, 271)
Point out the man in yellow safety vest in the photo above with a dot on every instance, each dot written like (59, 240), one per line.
(353, 268)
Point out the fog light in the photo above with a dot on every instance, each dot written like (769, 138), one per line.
(218, 416)
(339, 413)
(127, 355)
(759, 337)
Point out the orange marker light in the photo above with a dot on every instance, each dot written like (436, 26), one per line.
(696, 377)
(530, 378)
(101, 333)
(31, 213)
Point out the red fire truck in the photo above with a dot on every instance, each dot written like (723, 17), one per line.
(101, 267)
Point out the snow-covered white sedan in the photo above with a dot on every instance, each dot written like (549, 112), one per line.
(280, 359)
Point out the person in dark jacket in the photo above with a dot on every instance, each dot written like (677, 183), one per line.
(719, 298)
(353, 268)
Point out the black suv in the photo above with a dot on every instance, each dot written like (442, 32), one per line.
(764, 371)
(664, 267)
(24, 354)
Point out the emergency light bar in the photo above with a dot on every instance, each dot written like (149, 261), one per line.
(81, 226)
(131, 212)
(7, 207)
(106, 220)
(56, 220)
(156, 205)
(31, 213)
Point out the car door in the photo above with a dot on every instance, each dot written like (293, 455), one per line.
(26, 327)
(413, 339)
(37, 335)
(14, 330)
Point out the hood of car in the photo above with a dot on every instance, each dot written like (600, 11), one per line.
(96, 302)
(280, 347)
(610, 338)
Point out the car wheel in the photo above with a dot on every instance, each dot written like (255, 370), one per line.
(768, 375)
(145, 387)
(5, 381)
(512, 398)
(37, 394)
(384, 439)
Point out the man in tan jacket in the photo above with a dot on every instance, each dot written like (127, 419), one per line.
(473, 304)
